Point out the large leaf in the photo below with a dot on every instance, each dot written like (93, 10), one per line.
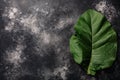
(94, 43)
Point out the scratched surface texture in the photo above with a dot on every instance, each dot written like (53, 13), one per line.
(34, 39)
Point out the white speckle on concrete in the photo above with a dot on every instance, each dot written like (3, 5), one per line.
(63, 21)
(101, 6)
(46, 37)
(30, 23)
(62, 71)
(46, 3)
(106, 8)
(45, 12)
(49, 38)
(15, 10)
(37, 9)
(10, 26)
(12, 12)
(14, 56)
(47, 73)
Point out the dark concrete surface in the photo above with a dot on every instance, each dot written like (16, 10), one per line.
(34, 39)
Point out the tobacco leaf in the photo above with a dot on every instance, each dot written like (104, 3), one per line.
(94, 44)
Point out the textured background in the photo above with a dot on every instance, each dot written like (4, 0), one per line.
(34, 39)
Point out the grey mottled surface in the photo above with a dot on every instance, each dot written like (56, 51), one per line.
(34, 39)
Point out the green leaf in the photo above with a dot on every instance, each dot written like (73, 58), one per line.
(94, 44)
